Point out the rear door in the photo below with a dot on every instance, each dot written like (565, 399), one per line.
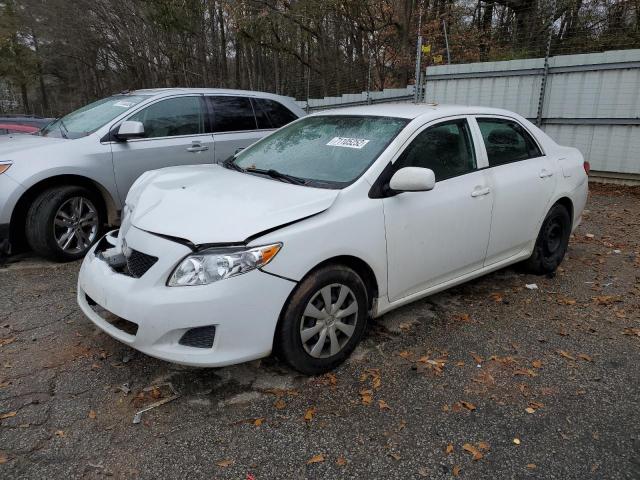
(234, 124)
(174, 135)
(522, 178)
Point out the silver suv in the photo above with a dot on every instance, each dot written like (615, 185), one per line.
(59, 187)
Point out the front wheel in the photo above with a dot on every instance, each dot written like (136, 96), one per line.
(551, 244)
(323, 320)
(63, 223)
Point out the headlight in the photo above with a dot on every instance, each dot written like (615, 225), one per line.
(4, 166)
(216, 264)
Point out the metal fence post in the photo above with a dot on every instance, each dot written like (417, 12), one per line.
(369, 78)
(545, 74)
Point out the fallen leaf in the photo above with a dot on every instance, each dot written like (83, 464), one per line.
(225, 463)
(395, 456)
(585, 357)
(463, 317)
(308, 415)
(383, 405)
(445, 408)
(7, 415)
(456, 471)
(531, 466)
(3, 458)
(476, 358)
(483, 446)
(468, 405)
(525, 371)
(7, 341)
(341, 461)
(366, 396)
(516, 441)
(405, 354)
(566, 354)
(280, 404)
(496, 297)
(423, 472)
(92, 414)
(530, 410)
(258, 421)
(607, 299)
(566, 301)
(536, 364)
(60, 433)
(449, 449)
(319, 458)
(472, 450)
(631, 331)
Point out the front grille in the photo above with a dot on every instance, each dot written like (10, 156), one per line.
(200, 337)
(139, 263)
(120, 323)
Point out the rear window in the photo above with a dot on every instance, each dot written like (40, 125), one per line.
(232, 114)
(506, 141)
(272, 114)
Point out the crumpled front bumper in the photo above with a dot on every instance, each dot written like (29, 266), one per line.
(243, 309)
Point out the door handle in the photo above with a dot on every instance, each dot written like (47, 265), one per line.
(544, 173)
(479, 192)
(196, 147)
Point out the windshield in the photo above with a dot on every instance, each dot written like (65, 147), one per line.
(325, 150)
(91, 117)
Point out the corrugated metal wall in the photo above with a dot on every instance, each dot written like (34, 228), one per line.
(590, 101)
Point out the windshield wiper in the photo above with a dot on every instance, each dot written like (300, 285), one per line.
(278, 175)
(230, 163)
(62, 126)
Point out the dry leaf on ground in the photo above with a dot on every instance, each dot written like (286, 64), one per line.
(319, 458)
(92, 414)
(8, 415)
(308, 415)
(472, 450)
(225, 463)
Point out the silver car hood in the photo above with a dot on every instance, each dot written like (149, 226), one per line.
(10, 144)
(211, 204)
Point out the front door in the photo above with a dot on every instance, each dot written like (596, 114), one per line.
(442, 234)
(173, 135)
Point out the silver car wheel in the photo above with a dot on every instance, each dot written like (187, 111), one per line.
(75, 225)
(329, 321)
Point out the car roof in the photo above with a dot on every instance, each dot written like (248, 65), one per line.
(412, 110)
(220, 91)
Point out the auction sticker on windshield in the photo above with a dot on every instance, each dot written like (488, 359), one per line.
(347, 142)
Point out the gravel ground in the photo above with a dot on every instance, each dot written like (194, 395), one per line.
(488, 380)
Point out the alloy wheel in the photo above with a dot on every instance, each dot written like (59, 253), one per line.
(76, 225)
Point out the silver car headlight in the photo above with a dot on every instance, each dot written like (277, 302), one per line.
(216, 264)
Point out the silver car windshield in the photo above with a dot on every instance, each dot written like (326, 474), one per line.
(330, 151)
(89, 118)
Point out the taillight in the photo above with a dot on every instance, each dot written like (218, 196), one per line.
(587, 167)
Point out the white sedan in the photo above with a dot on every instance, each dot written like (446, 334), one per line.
(294, 243)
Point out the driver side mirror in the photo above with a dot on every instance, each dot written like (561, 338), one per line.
(130, 129)
(413, 179)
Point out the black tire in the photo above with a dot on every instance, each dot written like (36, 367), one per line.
(289, 341)
(551, 244)
(40, 227)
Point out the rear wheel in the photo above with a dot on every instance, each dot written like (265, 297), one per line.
(551, 244)
(323, 320)
(63, 223)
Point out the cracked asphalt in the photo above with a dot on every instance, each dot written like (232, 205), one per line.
(488, 380)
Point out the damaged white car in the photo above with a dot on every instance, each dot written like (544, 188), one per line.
(336, 218)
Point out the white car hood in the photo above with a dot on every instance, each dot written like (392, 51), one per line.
(18, 143)
(212, 204)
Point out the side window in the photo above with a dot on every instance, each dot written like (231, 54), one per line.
(446, 148)
(172, 117)
(232, 114)
(506, 141)
(271, 114)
